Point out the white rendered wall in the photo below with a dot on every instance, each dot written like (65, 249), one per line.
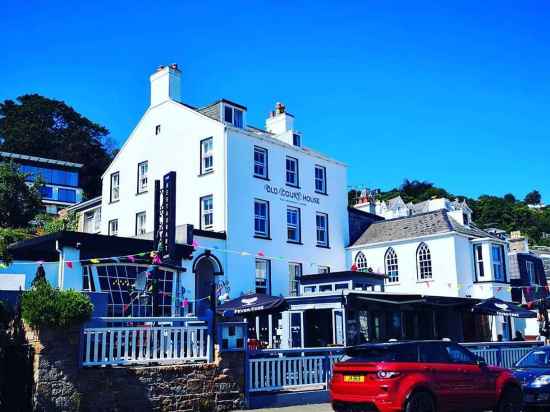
(176, 148)
(243, 188)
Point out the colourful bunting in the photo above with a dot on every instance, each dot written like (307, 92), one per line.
(131, 258)
(69, 264)
(3, 265)
(195, 244)
(94, 261)
(260, 253)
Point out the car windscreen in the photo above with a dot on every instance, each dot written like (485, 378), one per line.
(382, 353)
(535, 359)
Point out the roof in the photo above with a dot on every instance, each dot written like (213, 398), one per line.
(87, 204)
(90, 245)
(423, 224)
(37, 159)
(339, 276)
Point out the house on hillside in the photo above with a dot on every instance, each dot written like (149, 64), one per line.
(61, 179)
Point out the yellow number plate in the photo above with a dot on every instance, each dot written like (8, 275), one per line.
(354, 378)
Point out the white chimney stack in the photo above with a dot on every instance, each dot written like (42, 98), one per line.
(166, 84)
(279, 120)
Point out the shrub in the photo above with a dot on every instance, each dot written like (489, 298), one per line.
(44, 306)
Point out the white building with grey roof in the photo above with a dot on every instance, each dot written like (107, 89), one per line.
(438, 253)
(279, 207)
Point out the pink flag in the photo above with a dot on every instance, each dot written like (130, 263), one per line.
(131, 258)
(69, 264)
(195, 244)
(260, 253)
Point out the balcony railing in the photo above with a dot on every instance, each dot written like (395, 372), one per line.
(126, 345)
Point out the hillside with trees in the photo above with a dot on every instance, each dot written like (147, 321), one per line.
(506, 212)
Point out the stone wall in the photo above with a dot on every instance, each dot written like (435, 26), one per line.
(61, 385)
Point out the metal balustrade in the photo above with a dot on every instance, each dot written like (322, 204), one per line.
(145, 344)
(504, 354)
(276, 370)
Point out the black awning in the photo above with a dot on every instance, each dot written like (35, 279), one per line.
(497, 307)
(247, 304)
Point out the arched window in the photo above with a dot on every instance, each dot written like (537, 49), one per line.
(361, 262)
(392, 266)
(423, 262)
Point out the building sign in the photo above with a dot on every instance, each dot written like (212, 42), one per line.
(291, 195)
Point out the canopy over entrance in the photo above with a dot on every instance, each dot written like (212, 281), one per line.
(497, 307)
(250, 304)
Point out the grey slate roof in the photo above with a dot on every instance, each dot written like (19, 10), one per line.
(423, 224)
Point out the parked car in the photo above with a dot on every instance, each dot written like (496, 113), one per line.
(421, 376)
(533, 371)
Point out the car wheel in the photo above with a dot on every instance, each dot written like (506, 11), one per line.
(510, 401)
(420, 402)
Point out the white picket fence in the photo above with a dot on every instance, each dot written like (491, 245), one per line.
(144, 345)
(286, 369)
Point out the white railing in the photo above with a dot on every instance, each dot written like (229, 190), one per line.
(277, 370)
(504, 354)
(145, 344)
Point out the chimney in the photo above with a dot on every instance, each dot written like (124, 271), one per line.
(518, 242)
(166, 84)
(279, 120)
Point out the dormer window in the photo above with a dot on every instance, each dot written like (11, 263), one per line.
(465, 219)
(233, 116)
(297, 140)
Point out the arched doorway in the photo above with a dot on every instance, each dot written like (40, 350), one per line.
(206, 268)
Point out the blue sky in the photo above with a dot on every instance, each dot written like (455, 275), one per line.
(455, 94)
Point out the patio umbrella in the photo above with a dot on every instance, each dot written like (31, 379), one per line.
(247, 304)
(497, 307)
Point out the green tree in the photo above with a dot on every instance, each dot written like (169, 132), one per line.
(9, 236)
(36, 125)
(19, 203)
(533, 198)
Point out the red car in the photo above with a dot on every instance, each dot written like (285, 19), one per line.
(420, 376)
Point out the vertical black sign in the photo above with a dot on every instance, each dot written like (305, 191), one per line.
(165, 217)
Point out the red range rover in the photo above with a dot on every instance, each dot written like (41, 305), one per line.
(420, 376)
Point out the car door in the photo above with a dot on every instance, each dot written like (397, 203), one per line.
(442, 374)
(472, 379)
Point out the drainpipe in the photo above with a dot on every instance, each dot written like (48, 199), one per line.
(61, 267)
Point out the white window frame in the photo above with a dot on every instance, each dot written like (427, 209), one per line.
(424, 263)
(264, 165)
(531, 272)
(361, 262)
(207, 155)
(112, 229)
(207, 210)
(233, 120)
(294, 226)
(141, 223)
(258, 217)
(322, 229)
(143, 171)
(295, 182)
(266, 277)
(391, 263)
(295, 272)
(321, 179)
(115, 187)
(478, 261)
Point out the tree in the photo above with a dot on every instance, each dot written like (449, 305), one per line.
(19, 203)
(37, 126)
(533, 198)
(510, 198)
(45, 223)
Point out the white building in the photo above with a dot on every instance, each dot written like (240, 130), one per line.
(438, 253)
(277, 206)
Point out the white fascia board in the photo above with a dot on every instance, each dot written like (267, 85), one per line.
(266, 138)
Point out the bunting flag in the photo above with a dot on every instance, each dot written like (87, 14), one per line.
(94, 261)
(260, 253)
(499, 289)
(157, 260)
(69, 264)
(195, 244)
(3, 266)
(131, 258)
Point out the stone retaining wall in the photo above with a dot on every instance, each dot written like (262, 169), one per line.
(61, 385)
